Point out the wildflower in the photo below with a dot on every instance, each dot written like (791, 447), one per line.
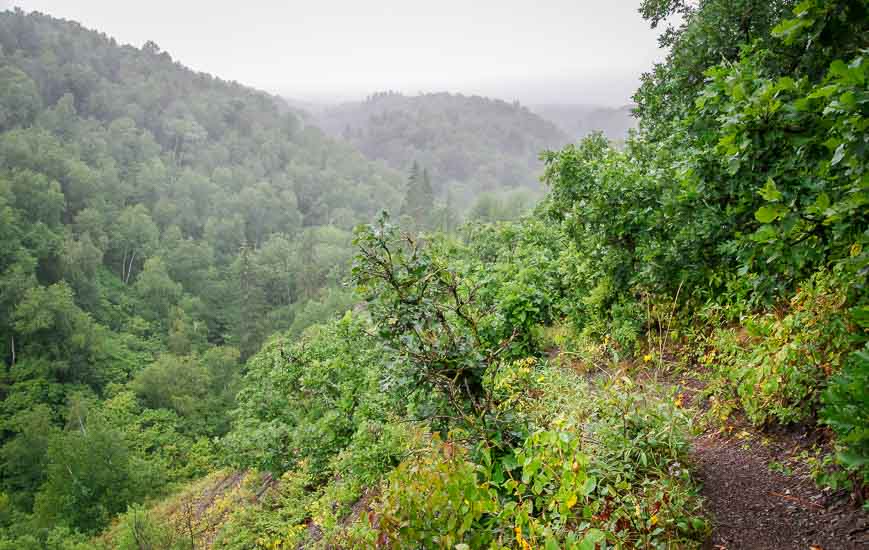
(647, 357)
(521, 540)
(655, 520)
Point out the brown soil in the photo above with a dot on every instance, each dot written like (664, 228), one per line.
(753, 503)
(754, 507)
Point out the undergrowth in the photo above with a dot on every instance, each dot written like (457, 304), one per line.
(611, 468)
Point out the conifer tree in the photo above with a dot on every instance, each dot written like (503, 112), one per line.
(419, 198)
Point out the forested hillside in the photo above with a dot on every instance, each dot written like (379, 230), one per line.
(156, 225)
(670, 351)
(468, 144)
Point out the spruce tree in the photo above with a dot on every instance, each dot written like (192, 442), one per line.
(419, 198)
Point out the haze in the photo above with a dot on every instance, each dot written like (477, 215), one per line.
(558, 51)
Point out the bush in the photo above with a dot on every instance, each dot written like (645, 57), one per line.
(304, 402)
(139, 529)
(91, 476)
(780, 365)
(846, 411)
(616, 479)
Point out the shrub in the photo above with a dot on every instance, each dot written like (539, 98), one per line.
(778, 369)
(846, 411)
(616, 479)
(304, 402)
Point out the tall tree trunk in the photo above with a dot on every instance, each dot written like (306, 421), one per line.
(130, 267)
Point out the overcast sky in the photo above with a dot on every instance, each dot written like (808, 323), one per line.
(562, 51)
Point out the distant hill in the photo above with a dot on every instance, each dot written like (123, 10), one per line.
(470, 144)
(579, 120)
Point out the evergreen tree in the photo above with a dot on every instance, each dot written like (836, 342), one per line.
(419, 199)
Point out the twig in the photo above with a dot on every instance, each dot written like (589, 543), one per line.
(666, 333)
(797, 500)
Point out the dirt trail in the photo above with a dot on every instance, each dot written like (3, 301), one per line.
(756, 507)
(753, 507)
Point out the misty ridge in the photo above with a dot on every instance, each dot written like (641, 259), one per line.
(473, 148)
(574, 120)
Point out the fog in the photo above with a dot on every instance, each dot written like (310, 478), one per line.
(554, 51)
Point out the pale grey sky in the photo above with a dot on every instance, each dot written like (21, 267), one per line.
(561, 51)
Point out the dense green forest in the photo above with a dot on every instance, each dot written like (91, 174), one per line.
(469, 144)
(157, 225)
(182, 369)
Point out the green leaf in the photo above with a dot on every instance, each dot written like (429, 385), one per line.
(824, 91)
(853, 459)
(764, 234)
(589, 486)
(838, 155)
(766, 214)
(770, 192)
(786, 83)
(791, 29)
(822, 203)
(733, 165)
(860, 315)
(591, 539)
(838, 68)
(832, 143)
(802, 104)
(509, 462)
